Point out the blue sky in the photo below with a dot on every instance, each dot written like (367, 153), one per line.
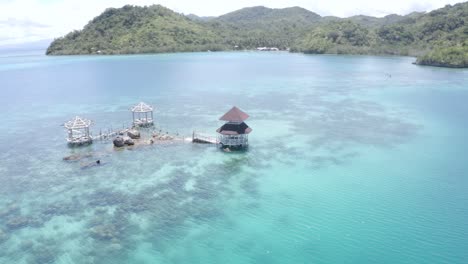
(31, 20)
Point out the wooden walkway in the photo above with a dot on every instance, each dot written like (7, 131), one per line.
(109, 134)
(157, 134)
(204, 139)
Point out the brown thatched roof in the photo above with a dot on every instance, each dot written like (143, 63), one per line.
(234, 115)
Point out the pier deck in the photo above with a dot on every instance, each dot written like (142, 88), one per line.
(204, 139)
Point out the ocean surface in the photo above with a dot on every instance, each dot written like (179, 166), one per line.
(352, 159)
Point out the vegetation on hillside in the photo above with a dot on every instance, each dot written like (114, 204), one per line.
(133, 29)
(259, 26)
(437, 38)
(454, 57)
(414, 35)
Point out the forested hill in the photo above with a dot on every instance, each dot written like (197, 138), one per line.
(255, 16)
(134, 29)
(259, 26)
(438, 38)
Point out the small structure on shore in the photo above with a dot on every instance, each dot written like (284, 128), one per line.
(235, 132)
(140, 114)
(78, 131)
(267, 49)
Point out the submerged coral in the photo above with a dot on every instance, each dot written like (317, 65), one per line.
(43, 255)
(17, 222)
(3, 236)
(9, 210)
(106, 197)
(26, 245)
(105, 232)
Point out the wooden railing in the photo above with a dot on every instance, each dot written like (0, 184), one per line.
(234, 141)
(203, 138)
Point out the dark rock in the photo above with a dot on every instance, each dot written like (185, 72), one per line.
(133, 134)
(119, 142)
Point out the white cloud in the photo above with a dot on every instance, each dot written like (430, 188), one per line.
(29, 20)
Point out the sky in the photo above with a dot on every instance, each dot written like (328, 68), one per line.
(23, 21)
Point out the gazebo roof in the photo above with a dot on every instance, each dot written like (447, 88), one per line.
(235, 115)
(78, 123)
(142, 108)
(234, 129)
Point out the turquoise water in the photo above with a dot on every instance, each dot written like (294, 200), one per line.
(352, 159)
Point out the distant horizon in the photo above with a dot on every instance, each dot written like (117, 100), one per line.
(187, 14)
(41, 44)
(34, 24)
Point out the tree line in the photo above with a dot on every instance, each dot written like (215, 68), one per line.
(437, 38)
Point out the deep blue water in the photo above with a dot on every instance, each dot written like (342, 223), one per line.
(352, 159)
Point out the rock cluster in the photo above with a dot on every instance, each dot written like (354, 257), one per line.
(162, 137)
(120, 141)
(128, 141)
(133, 134)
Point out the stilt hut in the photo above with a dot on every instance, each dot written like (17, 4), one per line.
(235, 132)
(142, 115)
(78, 131)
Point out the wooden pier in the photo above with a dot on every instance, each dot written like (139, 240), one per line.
(109, 134)
(204, 139)
(233, 134)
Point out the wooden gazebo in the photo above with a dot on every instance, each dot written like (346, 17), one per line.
(78, 131)
(235, 132)
(142, 115)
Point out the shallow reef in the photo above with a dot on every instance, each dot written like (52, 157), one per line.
(18, 222)
(156, 194)
(3, 236)
(44, 255)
